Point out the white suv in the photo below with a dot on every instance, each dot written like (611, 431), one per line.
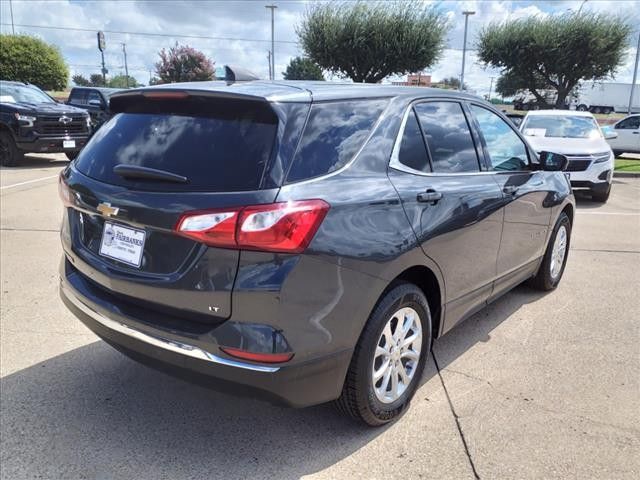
(578, 136)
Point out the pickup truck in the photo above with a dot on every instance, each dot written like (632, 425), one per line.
(33, 122)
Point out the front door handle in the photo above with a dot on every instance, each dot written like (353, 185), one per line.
(430, 196)
(510, 189)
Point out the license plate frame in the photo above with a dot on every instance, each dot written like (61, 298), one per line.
(122, 243)
(68, 144)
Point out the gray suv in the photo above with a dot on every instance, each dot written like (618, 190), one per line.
(304, 242)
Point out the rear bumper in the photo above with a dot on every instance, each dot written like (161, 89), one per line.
(201, 361)
(52, 144)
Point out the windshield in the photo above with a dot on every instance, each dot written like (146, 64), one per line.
(23, 94)
(560, 126)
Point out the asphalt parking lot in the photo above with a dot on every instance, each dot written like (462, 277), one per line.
(534, 386)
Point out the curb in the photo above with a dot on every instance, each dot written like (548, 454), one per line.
(619, 174)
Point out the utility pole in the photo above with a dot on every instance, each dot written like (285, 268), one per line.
(490, 87)
(126, 68)
(582, 5)
(635, 75)
(466, 14)
(13, 29)
(269, 62)
(272, 75)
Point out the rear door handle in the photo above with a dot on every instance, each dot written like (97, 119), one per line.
(510, 189)
(430, 196)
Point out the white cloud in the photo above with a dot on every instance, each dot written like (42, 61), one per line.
(250, 20)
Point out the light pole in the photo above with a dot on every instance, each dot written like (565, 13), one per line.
(490, 87)
(272, 76)
(635, 74)
(466, 14)
(13, 29)
(126, 69)
(582, 5)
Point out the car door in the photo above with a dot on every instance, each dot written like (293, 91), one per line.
(525, 197)
(453, 206)
(628, 130)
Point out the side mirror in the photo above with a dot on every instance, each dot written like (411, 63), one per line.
(610, 135)
(553, 162)
(96, 103)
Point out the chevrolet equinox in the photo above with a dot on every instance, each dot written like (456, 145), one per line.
(304, 242)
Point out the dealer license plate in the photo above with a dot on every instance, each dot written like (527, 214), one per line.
(122, 243)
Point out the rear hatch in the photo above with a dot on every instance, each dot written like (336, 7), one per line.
(163, 155)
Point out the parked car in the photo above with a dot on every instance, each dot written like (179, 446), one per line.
(33, 122)
(304, 242)
(578, 136)
(516, 118)
(628, 135)
(95, 101)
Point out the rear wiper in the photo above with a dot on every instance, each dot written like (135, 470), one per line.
(135, 171)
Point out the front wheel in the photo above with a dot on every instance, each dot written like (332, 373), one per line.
(10, 155)
(389, 358)
(555, 257)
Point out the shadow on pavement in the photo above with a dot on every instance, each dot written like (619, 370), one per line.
(39, 162)
(93, 413)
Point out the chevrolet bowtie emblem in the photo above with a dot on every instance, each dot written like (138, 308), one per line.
(107, 210)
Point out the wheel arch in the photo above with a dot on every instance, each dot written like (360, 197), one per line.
(427, 281)
(569, 210)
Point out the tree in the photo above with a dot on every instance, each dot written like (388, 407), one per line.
(96, 80)
(81, 80)
(370, 41)
(555, 52)
(510, 84)
(120, 81)
(29, 59)
(183, 63)
(301, 68)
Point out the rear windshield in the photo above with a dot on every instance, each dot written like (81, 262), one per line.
(225, 151)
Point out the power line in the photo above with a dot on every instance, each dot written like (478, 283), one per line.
(149, 34)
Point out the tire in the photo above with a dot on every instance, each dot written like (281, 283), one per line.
(374, 402)
(10, 155)
(547, 278)
(582, 108)
(601, 196)
(71, 155)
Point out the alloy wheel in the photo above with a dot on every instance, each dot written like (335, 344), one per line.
(559, 251)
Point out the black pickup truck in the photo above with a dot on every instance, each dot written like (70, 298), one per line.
(33, 122)
(95, 100)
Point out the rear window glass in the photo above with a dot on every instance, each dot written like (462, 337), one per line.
(333, 135)
(226, 152)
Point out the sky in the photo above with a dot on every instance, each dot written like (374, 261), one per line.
(239, 31)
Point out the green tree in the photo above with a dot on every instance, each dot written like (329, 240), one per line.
(510, 84)
(81, 80)
(556, 52)
(29, 59)
(96, 80)
(301, 68)
(182, 63)
(370, 41)
(120, 81)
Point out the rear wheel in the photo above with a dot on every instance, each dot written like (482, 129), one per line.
(555, 257)
(389, 358)
(10, 155)
(582, 108)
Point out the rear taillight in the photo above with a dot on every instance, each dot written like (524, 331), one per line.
(277, 227)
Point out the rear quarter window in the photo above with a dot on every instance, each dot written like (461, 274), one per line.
(334, 133)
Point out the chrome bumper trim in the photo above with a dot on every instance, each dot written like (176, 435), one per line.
(166, 344)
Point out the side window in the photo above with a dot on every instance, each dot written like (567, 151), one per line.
(506, 150)
(78, 97)
(448, 137)
(333, 135)
(631, 123)
(412, 152)
(93, 95)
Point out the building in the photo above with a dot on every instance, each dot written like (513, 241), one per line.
(416, 80)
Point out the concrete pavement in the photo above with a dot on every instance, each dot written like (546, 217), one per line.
(534, 386)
